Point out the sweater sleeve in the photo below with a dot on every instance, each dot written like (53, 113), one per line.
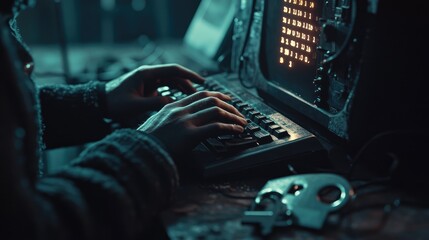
(73, 114)
(113, 190)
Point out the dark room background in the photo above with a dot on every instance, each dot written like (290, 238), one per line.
(92, 21)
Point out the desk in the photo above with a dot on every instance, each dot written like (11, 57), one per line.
(213, 210)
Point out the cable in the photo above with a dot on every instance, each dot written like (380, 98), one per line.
(246, 40)
(378, 181)
(358, 157)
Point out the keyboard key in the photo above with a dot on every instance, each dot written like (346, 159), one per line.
(258, 118)
(252, 127)
(226, 137)
(241, 105)
(240, 143)
(215, 145)
(211, 85)
(263, 136)
(247, 109)
(280, 133)
(218, 89)
(200, 88)
(273, 127)
(178, 94)
(235, 101)
(163, 89)
(267, 122)
(165, 93)
(252, 114)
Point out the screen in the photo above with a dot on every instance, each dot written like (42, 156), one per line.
(216, 9)
(209, 26)
(290, 36)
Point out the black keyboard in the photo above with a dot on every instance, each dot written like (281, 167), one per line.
(269, 136)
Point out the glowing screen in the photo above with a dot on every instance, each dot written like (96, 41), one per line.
(290, 36)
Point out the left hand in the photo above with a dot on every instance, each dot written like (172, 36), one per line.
(135, 92)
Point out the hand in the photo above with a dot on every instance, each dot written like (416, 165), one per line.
(136, 92)
(183, 124)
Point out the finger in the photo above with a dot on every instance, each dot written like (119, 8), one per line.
(217, 129)
(153, 103)
(216, 114)
(203, 94)
(212, 102)
(170, 71)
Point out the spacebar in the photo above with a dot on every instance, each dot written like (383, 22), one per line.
(234, 144)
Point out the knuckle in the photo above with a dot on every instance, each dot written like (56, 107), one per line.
(217, 126)
(175, 66)
(213, 101)
(203, 94)
(142, 68)
(176, 112)
(169, 105)
(218, 111)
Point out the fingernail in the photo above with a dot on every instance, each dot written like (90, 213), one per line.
(239, 128)
(244, 121)
(226, 96)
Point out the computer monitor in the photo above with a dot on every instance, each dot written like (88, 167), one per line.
(306, 55)
(209, 26)
(290, 36)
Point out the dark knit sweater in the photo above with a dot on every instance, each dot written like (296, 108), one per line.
(113, 190)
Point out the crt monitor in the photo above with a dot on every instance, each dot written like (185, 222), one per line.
(305, 54)
(210, 26)
(290, 37)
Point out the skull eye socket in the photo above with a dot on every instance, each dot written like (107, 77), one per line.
(329, 194)
(295, 189)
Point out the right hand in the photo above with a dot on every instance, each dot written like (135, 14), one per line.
(136, 92)
(183, 124)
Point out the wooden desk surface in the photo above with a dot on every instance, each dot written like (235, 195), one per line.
(214, 211)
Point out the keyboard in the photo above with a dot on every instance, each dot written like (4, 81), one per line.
(269, 137)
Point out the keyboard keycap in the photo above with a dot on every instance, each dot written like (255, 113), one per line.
(272, 128)
(166, 93)
(215, 145)
(259, 118)
(252, 127)
(200, 88)
(267, 122)
(225, 137)
(240, 143)
(280, 133)
(247, 109)
(263, 136)
(241, 106)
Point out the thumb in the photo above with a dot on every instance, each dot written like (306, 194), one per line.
(153, 103)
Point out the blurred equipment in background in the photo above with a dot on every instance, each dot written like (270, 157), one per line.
(205, 47)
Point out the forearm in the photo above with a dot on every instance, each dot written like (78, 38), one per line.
(113, 190)
(73, 115)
